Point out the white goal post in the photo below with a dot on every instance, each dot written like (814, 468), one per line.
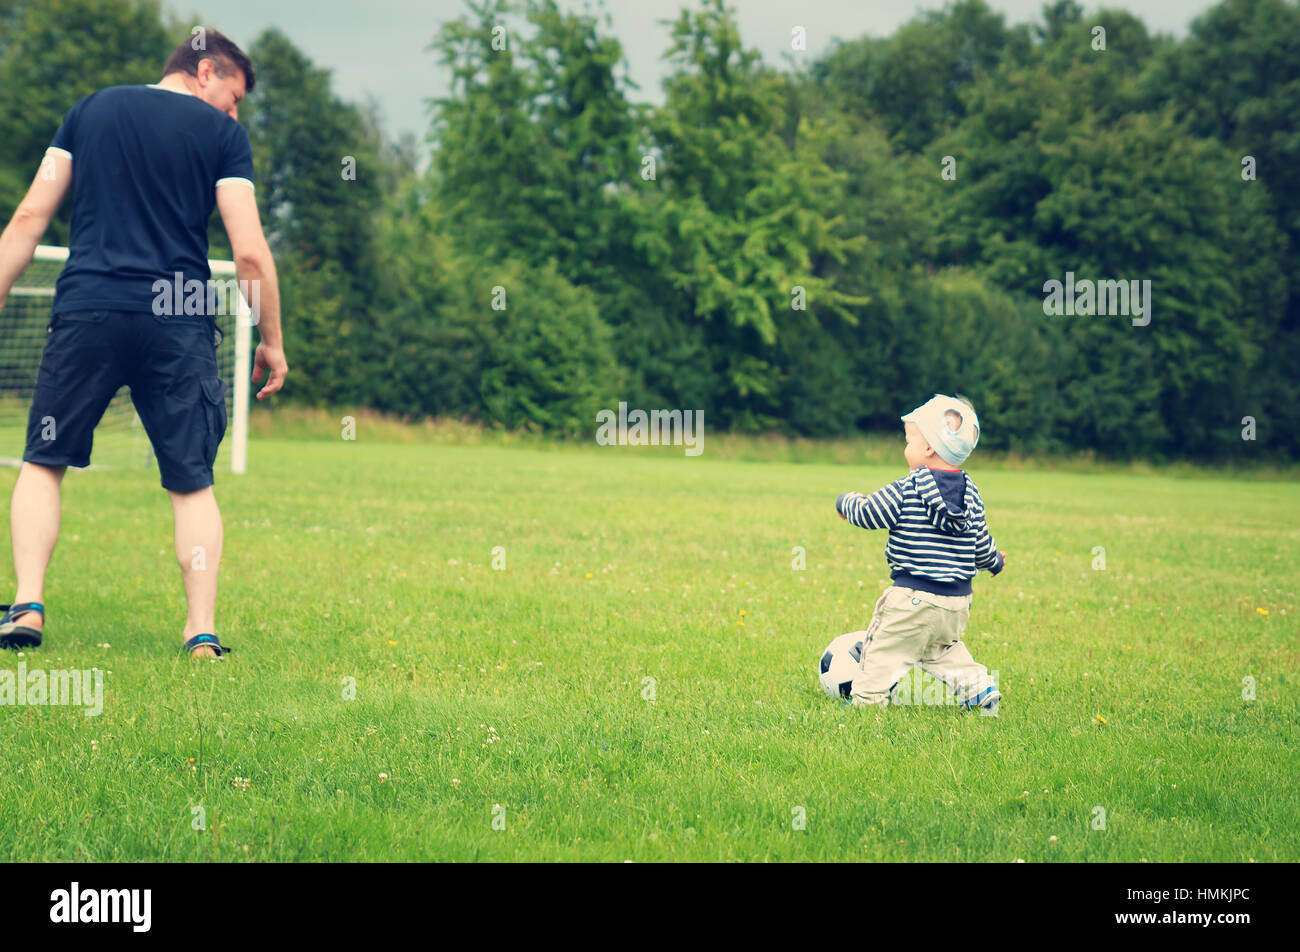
(119, 440)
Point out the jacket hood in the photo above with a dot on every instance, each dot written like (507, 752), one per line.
(946, 498)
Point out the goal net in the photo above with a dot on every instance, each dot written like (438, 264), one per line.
(120, 440)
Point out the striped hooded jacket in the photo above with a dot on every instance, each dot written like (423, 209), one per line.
(938, 539)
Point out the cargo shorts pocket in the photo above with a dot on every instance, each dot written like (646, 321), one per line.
(214, 411)
(76, 317)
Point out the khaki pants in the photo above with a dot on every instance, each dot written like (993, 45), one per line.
(911, 627)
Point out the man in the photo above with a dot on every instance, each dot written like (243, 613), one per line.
(146, 165)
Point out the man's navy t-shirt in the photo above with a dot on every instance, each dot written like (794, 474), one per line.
(146, 163)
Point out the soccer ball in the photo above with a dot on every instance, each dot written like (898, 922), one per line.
(839, 664)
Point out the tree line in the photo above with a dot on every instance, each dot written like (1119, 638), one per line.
(811, 247)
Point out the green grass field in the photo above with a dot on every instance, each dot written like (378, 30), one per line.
(526, 687)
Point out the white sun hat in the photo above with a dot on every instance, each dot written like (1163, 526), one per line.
(953, 438)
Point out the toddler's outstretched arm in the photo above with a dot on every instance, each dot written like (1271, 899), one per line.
(877, 511)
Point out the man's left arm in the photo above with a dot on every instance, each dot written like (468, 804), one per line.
(24, 231)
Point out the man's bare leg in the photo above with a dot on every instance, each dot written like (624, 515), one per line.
(34, 522)
(198, 550)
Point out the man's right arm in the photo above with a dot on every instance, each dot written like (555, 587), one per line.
(23, 233)
(255, 269)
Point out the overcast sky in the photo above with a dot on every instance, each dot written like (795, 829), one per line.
(378, 47)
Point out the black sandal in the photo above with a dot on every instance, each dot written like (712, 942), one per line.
(14, 635)
(206, 641)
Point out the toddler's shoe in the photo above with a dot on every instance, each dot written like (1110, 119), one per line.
(986, 702)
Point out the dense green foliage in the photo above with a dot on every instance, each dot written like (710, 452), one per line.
(782, 250)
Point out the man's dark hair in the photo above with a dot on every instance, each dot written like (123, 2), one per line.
(209, 44)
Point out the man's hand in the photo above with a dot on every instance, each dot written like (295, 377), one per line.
(271, 361)
(1004, 562)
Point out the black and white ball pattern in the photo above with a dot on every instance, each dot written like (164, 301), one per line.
(840, 662)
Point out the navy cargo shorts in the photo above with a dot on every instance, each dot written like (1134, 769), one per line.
(170, 364)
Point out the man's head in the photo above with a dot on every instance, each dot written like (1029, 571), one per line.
(215, 70)
(941, 432)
